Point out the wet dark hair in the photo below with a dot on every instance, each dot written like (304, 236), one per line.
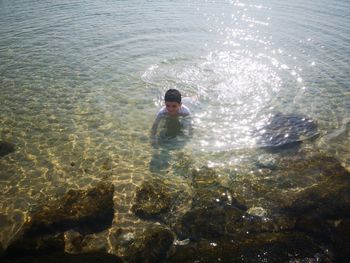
(173, 95)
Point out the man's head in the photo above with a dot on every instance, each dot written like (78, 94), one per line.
(172, 101)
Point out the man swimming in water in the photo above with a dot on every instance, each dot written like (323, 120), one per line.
(173, 108)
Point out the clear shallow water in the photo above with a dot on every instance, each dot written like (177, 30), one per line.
(81, 82)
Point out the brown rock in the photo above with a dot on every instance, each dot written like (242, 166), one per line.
(267, 247)
(151, 247)
(89, 210)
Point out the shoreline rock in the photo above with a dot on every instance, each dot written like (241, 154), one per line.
(151, 247)
(208, 220)
(86, 211)
(159, 201)
(59, 257)
(266, 247)
(79, 209)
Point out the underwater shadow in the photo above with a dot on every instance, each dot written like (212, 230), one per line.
(173, 136)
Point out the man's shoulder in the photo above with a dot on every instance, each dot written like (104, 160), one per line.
(162, 112)
(185, 111)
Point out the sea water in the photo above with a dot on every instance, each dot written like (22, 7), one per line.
(81, 82)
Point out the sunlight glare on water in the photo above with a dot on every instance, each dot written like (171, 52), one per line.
(231, 85)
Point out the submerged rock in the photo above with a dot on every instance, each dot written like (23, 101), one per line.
(304, 170)
(257, 211)
(84, 210)
(208, 223)
(317, 207)
(341, 239)
(286, 130)
(214, 212)
(214, 197)
(152, 246)
(88, 211)
(205, 177)
(208, 192)
(320, 165)
(59, 257)
(323, 209)
(77, 243)
(217, 213)
(267, 247)
(330, 198)
(152, 200)
(6, 148)
(292, 175)
(157, 200)
(36, 245)
(228, 222)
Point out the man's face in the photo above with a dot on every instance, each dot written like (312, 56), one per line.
(172, 107)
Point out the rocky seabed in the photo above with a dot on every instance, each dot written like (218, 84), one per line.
(202, 219)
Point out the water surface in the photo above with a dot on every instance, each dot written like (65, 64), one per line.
(81, 82)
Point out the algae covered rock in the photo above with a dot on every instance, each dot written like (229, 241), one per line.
(152, 200)
(228, 222)
(214, 211)
(204, 177)
(6, 148)
(341, 237)
(322, 209)
(267, 247)
(86, 211)
(214, 197)
(59, 257)
(318, 208)
(89, 211)
(318, 164)
(292, 181)
(209, 192)
(152, 246)
(257, 211)
(36, 245)
(159, 200)
(209, 223)
(329, 198)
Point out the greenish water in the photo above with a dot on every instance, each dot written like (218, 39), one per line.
(81, 82)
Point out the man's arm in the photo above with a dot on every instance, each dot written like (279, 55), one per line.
(155, 126)
(187, 125)
(156, 122)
